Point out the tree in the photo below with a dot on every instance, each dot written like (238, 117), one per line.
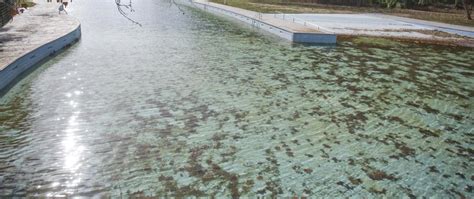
(390, 3)
(468, 7)
(121, 6)
(5, 12)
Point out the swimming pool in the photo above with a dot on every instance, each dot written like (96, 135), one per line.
(195, 105)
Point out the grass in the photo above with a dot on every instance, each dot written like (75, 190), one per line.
(456, 17)
(26, 3)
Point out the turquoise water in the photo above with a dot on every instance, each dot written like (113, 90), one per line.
(197, 105)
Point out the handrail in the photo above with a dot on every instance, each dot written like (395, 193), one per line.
(283, 15)
(304, 23)
(229, 11)
(260, 15)
(317, 26)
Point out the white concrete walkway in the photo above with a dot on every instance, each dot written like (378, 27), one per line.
(376, 25)
(457, 29)
(270, 19)
(379, 25)
(39, 25)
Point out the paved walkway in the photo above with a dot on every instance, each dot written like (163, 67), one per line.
(267, 18)
(386, 26)
(351, 24)
(456, 29)
(377, 25)
(39, 25)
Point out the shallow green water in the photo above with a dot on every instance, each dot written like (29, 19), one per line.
(195, 105)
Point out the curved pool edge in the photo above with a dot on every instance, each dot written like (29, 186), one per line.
(15, 70)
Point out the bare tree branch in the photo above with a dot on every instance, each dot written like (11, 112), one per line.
(129, 7)
(173, 2)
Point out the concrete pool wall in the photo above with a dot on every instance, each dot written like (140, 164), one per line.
(309, 36)
(30, 59)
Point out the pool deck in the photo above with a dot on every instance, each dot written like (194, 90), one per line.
(31, 37)
(287, 29)
(37, 26)
(364, 24)
(265, 18)
(456, 29)
(379, 25)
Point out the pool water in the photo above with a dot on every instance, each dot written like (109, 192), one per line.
(197, 105)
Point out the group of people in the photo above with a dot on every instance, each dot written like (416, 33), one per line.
(62, 7)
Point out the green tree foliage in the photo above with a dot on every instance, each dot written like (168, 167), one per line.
(465, 4)
(409, 3)
(389, 3)
(6, 9)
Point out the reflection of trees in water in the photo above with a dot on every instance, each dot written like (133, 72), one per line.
(126, 8)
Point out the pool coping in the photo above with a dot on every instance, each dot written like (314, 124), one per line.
(290, 31)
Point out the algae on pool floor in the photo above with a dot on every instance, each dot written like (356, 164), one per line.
(209, 107)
